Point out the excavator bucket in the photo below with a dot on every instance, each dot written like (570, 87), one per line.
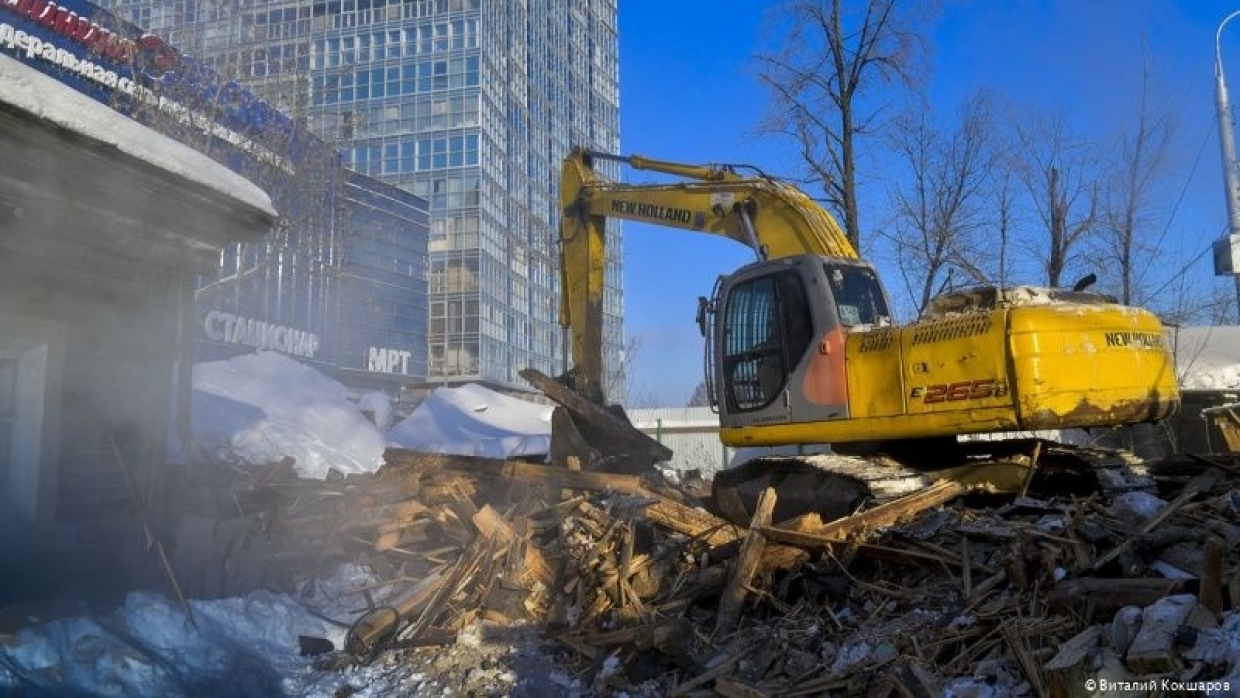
(601, 438)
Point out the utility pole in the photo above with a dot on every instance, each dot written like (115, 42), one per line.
(1227, 248)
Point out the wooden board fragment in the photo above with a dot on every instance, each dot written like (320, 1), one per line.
(751, 553)
(1073, 664)
(490, 523)
(695, 523)
(882, 515)
(1211, 590)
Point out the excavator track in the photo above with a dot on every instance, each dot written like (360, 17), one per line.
(834, 485)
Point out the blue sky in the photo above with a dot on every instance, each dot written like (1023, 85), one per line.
(688, 92)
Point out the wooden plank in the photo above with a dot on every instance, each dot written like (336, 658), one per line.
(734, 591)
(399, 533)
(374, 517)
(518, 471)
(490, 523)
(1211, 589)
(692, 522)
(732, 687)
(464, 570)
(1112, 592)
(883, 515)
(718, 667)
(1073, 664)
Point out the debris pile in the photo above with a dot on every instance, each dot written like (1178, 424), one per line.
(940, 590)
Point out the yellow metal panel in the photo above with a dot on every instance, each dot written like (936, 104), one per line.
(957, 363)
(875, 373)
(1080, 366)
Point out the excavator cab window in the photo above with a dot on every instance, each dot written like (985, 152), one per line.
(858, 295)
(767, 328)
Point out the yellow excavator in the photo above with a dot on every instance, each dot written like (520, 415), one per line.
(801, 345)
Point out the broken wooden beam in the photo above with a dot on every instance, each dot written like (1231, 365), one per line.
(882, 515)
(535, 566)
(691, 522)
(1112, 592)
(746, 563)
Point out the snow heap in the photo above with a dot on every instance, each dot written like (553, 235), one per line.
(243, 646)
(473, 421)
(259, 408)
(1207, 358)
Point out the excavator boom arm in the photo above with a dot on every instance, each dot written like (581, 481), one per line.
(774, 218)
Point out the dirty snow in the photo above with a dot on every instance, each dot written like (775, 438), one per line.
(149, 647)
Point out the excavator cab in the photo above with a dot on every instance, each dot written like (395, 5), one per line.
(775, 340)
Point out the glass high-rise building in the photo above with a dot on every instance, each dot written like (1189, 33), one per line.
(470, 104)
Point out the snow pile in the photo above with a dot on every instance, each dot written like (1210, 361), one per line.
(252, 646)
(1207, 358)
(247, 646)
(473, 421)
(377, 403)
(259, 408)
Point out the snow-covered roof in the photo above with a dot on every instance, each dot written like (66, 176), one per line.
(33, 92)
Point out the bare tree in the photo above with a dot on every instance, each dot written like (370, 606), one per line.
(1141, 161)
(830, 56)
(1059, 173)
(941, 211)
(1003, 200)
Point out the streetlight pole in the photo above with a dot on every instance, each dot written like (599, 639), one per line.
(1226, 249)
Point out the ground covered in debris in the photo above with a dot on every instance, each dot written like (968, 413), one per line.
(455, 575)
(463, 573)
